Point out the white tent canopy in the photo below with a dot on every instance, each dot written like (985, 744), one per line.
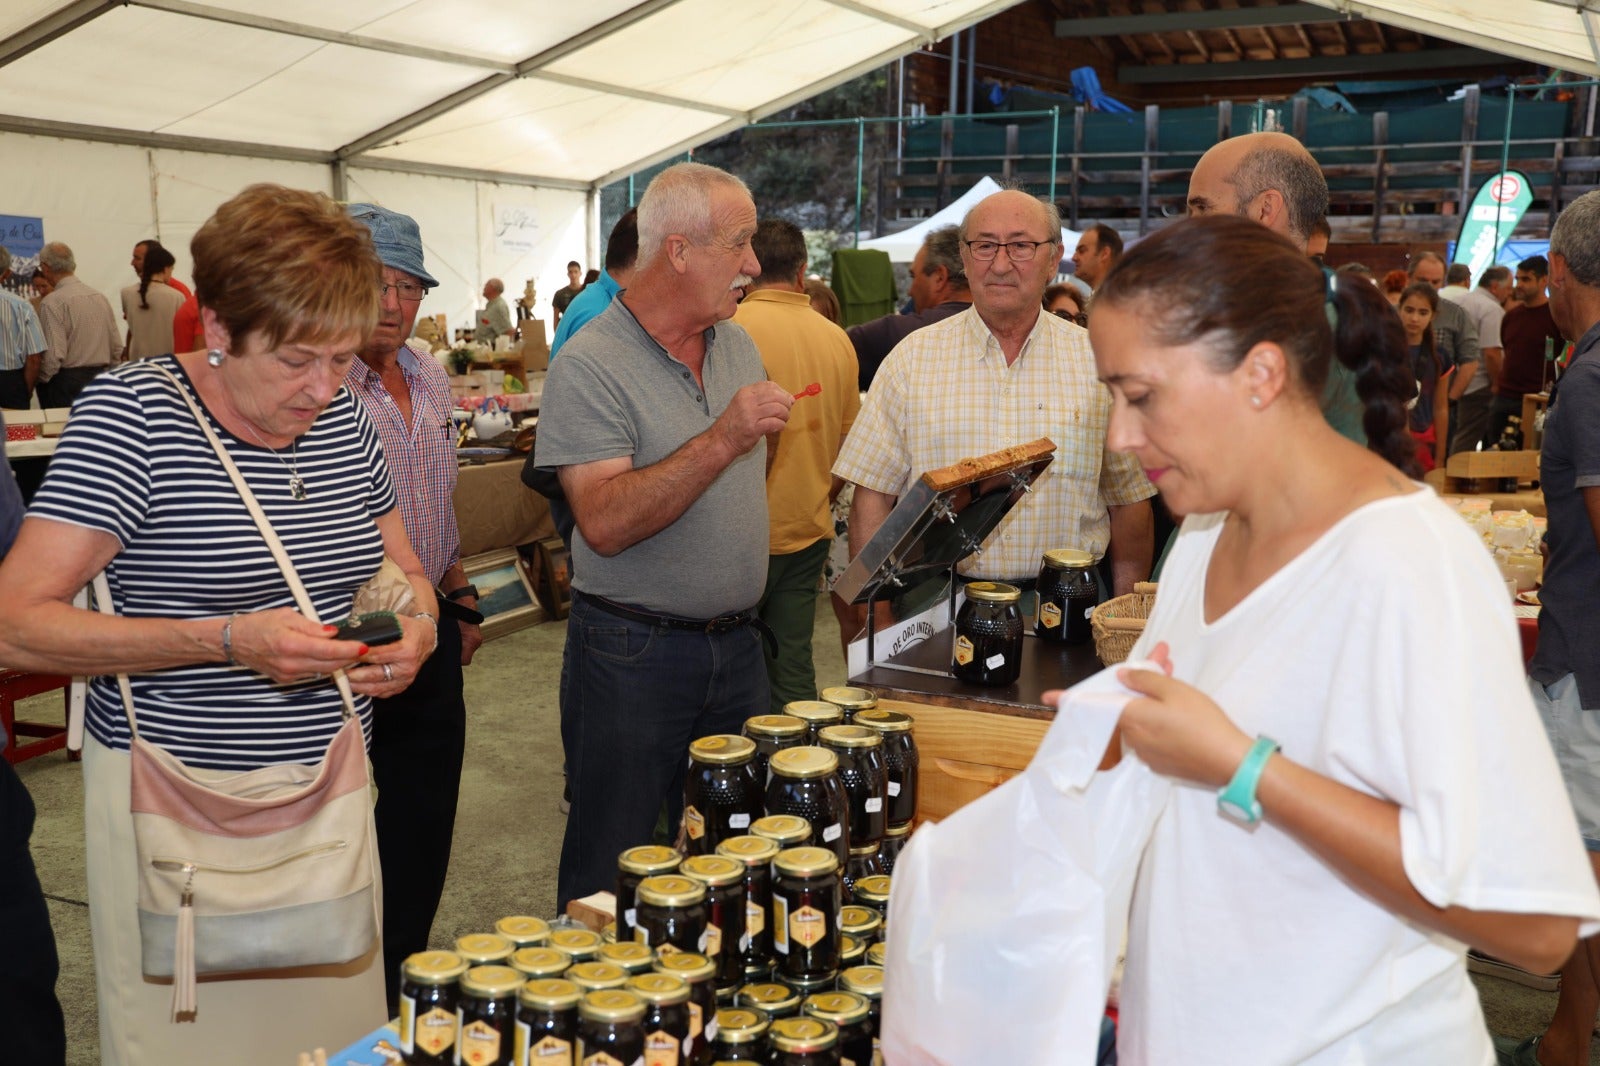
(902, 247)
(1564, 34)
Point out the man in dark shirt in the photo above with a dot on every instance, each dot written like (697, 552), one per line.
(563, 297)
(1529, 336)
(938, 290)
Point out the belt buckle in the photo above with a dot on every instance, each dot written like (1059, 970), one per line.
(725, 624)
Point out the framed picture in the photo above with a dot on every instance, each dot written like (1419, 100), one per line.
(504, 594)
(554, 583)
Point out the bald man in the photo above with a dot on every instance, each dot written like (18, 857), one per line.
(1270, 178)
(495, 318)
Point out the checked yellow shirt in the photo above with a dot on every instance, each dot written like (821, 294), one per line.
(945, 394)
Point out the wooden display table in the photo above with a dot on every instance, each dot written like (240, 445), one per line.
(17, 685)
(972, 738)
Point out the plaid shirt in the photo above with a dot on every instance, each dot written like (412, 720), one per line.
(945, 394)
(20, 335)
(421, 456)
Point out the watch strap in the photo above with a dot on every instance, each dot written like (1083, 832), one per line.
(1237, 799)
(464, 590)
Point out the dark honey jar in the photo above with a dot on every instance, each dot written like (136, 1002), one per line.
(849, 698)
(863, 923)
(784, 830)
(874, 892)
(1068, 592)
(697, 972)
(632, 956)
(722, 793)
(771, 734)
(610, 1028)
(726, 919)
(579, 945)
(672, 914)
(522, 931)
(429, 993)
(878, 954)
(852, 952)
(894, 839)
(741, 1036)
(805, 782)
(666, 1017)
(900, 759)
(804, 1041)
(755, 854)
(988, 644)
(486, 1014)
(633, 866)
(816, 714)
(859, 750)
(595, 976)
(852, 1014)
(536, 963)
(867, 982)
(771, 998)
(805, 914)
(484, 949)
(547, 1022)
(862, 864)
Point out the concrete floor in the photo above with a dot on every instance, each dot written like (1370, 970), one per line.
(508, 833)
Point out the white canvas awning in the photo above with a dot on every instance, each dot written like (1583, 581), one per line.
(1564, 34)
(902, 247)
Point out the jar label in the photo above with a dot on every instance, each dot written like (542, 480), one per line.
(695, 823)
(995, 661)
(894, 788)
(480, 1044)
(668, 948)
(549, 1051)
(1050, 615)
(874, 804)
(660, 1049)
(632, 916)
(408, 1024)
(755, 919)
(963, 650)
(1088, 612)
(808, 926)
(600, 1058)
(695, 1025)
(711, 940)
(832, 833)
(739, 820)
(436, 1031)
(641, 935)
(780, 923)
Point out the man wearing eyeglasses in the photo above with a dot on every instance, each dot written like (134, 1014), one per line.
(420, 734)
(1004, 373)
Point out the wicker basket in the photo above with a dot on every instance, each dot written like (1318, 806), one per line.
(1118, 622)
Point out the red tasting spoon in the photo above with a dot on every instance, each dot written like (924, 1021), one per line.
(813, 389)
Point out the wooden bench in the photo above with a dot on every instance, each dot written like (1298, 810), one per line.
(17, 685)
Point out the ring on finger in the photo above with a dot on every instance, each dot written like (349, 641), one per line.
(388, 672)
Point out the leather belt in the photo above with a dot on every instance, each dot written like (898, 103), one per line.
(726, 623)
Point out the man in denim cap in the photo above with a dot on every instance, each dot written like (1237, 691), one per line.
(419, 735)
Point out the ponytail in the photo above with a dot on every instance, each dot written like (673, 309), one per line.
(1370, 342)
(156, 259)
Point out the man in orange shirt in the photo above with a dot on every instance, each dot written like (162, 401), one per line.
(798, 348)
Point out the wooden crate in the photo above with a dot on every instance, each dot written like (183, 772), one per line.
(964, 754)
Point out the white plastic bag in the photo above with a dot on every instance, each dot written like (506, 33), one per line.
(1006, 917)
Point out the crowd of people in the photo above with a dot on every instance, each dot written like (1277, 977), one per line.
(1389, 805)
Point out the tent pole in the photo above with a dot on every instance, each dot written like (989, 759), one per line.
(861, 148)
(1055, 146)
(341, 181)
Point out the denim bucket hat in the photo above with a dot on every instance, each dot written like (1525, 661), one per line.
(396, 237)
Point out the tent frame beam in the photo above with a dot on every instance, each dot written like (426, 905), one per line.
(1462, 34)
(52, 26)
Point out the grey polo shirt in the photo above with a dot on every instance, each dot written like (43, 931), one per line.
(616, 392)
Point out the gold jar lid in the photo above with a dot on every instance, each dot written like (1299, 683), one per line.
(434, 967)
(775, 726)
(770, 996)
(850, 736)
(540, 962)
(593, 976)
(874, 889)
(724, 749)
(806, 862)
(671, 891)
(608, 933)
(649, 859)
(804, 762)
(735, 1025)
(850, 697)
(750, 850)
(898, 829)
(578, 943)
(883, 720)
(856, 919)
(481, 948)
(688, 965)
(863, 851)
(840, 1008)
(863, 980)
(493, 982)
(632, 956)
(878, 954)
(523, 931)
(611, 1005)
(803, 1034)
(852, 952)
(550, 993)
(662, 989)
(814, 711)
(782, 829)
(713, 871)
(993, 592)
(1068, 559)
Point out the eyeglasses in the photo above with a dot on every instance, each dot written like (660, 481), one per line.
(1016, 251)
(407, 290)
(1080, 317)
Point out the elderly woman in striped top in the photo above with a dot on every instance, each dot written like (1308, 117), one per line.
(225, 673)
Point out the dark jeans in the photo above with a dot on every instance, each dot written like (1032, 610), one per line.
(14, 391)
(30, 1015)
(633, 696)
(1469, 422)
(789, 607)
(418, 739)
(62, 389)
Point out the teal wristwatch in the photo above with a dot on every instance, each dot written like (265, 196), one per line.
(1238, 800)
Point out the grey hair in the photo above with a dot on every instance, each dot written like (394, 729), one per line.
(1052, 215)
(942, 248)
(1295, 176)
(497, 285)
(678, 200)
(57, 257)
(1494, 275)
(1576, 238)
(5, 259)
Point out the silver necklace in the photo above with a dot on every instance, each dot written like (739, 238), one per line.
(297, 485)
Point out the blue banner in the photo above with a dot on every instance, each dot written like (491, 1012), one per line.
(22, 237)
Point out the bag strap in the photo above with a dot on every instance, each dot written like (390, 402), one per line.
(302, 599)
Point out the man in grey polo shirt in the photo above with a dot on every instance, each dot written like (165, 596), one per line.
(655, 419)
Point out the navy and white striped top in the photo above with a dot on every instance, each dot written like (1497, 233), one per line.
(133, 463)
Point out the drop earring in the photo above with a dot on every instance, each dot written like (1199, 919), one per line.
(214, 356)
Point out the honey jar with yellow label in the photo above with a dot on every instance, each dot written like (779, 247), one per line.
(546, 1023)
(805, 914)
(726, 920)
(721, 793)
(486, 1015)
(429, 994)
